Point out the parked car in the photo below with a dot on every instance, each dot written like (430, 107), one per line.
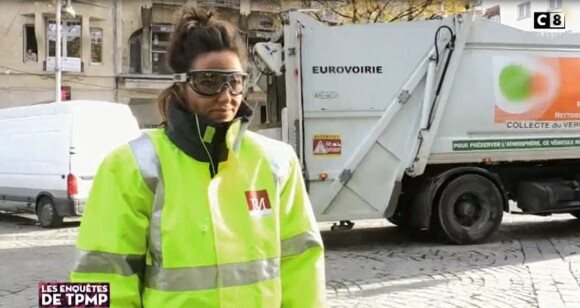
(49, 154)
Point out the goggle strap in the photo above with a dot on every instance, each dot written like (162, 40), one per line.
(180, 77)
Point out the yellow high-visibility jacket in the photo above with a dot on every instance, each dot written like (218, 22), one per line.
(202, 215)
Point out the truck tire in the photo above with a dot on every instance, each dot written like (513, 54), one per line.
(46, 213)
(470, 209)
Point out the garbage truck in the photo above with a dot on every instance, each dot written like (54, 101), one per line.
(441, 125)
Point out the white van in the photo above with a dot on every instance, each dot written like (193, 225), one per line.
(49, 154)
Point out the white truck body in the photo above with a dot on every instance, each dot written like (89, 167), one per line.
(380, 118)
(49, 154)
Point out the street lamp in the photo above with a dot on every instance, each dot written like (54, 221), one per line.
(68, 9)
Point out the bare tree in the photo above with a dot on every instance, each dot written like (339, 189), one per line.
(373, 11)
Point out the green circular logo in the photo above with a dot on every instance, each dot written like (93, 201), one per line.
(516, 83)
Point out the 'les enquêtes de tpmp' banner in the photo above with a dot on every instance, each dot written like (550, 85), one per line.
(65, 294)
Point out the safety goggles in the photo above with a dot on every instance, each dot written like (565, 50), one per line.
(212, 82)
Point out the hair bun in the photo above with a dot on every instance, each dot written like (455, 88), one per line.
(195, 17)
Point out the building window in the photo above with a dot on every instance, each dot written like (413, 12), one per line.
(30, 44)
(70, 43)
(160, 35)
(135, 42)
(263, 114)
(524, 10)
(71, 34)
(555, 4)
(96, 45)
(267, 22)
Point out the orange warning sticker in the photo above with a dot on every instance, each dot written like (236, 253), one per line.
(327, 145)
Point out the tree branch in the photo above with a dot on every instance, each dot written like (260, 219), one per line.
(355, 13)
(335, 11)
(381, 11)
(370, 9)
(373, 11)
(411, 12)
(419, 11)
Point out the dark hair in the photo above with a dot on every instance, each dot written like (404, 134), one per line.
(197, 31)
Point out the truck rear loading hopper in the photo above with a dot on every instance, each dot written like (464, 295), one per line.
(434, 124)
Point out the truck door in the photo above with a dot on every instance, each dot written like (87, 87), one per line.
(359, 95)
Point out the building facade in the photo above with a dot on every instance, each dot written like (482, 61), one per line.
(146, 28)
(27, 51)
(520, 14)
(112, 49)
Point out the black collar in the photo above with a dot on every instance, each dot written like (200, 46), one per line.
(190, 132)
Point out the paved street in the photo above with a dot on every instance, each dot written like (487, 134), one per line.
(533, 262)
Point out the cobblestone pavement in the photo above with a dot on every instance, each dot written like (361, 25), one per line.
(532, 262)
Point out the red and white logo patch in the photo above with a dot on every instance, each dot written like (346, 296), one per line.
(258, 203)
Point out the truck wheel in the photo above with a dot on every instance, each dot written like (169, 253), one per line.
(47, 215)
(470, 209)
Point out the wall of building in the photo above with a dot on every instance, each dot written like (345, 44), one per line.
(29, 82)
(128, 71)
(509, 13)
(140, 86)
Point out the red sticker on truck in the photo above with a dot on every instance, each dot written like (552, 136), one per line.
(327, 145)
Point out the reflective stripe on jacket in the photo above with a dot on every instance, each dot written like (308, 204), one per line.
(164, 233)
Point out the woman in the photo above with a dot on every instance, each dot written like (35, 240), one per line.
(202, 213)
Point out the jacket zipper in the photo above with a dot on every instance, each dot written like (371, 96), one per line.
(212, 169)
